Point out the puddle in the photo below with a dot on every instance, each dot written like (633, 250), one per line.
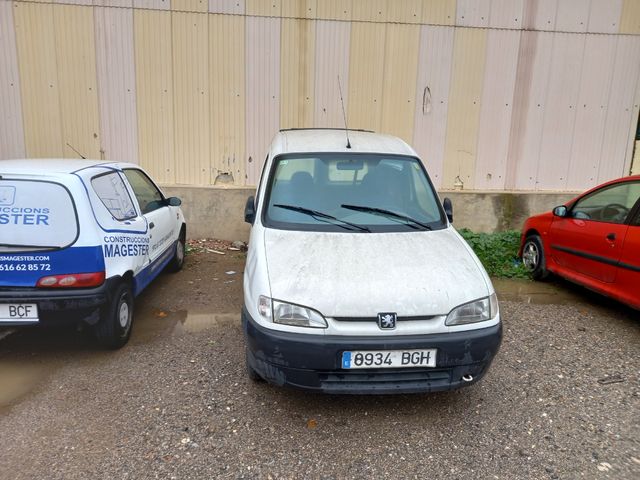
(153, 324)
(198, 322)
(527, 291)
(34, 355)
(17, 380)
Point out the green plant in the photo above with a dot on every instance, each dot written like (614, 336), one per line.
(498, 252)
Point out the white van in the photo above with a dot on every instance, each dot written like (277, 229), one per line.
(355, 280)
(79, 240)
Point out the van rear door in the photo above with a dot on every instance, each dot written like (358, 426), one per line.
(36, 215)
(38, 224)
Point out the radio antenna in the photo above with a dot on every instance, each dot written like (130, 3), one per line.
(71, 147)
(344, 115)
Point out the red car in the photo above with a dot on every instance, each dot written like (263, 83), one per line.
(593, 240)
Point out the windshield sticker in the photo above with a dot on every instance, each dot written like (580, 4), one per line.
(7, 195)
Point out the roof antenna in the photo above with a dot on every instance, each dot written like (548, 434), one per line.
(344, 115)
(81, 156)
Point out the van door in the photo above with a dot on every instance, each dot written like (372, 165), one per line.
(38, 226)
(161, 223)
(125, 240)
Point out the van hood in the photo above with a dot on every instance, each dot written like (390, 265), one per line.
(361, 275)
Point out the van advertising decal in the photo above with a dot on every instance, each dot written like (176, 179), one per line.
(125, 246)
(25, 269)
(36, 214)
(24, 216)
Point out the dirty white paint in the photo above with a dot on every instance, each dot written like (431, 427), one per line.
(426, 273)
(410, 273)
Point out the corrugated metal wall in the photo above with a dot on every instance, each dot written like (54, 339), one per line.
(493, 94)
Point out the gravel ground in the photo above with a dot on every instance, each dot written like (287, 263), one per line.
(560, 401)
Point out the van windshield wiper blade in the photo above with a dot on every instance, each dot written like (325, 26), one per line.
(323, 216)
(412, 222)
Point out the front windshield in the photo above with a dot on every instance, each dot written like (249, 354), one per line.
(338, 192)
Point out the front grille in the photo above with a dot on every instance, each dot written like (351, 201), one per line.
(375, 319)
(386, 380)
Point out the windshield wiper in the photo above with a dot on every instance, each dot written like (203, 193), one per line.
(323, 217)
(412, 222)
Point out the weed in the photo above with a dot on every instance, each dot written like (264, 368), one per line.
(498, 252)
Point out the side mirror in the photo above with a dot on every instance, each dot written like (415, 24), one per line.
(174, 202)
(250, 211)
(448, 208)
(560, 211)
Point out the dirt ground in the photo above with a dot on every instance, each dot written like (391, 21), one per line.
(562, 398)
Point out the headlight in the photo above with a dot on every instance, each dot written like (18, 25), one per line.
(472, 312)
(289, 314)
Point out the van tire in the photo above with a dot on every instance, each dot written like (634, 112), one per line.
(177, 261)
(114, 328)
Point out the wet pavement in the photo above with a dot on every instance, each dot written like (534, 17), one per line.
(562, 399)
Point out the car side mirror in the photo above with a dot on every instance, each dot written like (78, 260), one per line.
(174, 202)
(560, 211)
(448, 208)
(250, 211)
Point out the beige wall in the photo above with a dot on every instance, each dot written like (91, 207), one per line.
(218, 212)
(494, 94)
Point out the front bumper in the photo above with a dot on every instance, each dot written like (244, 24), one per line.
(57, 307)
(313, 362)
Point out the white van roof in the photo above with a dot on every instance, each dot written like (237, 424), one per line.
(52, 165)
(311, 140)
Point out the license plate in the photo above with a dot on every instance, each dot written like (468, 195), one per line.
(18, 312)
(389, 358)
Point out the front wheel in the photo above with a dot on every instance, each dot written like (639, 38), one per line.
(114, 328)
(533, 257)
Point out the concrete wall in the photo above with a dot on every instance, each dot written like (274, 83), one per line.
(494, 212)
(218, 212)
(214, 212)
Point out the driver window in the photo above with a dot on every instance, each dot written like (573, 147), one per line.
(148, 196)
(610, 204)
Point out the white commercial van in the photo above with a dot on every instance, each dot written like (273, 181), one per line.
(79, 240)
(355, 280)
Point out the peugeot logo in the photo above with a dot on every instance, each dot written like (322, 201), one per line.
(387, 321)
